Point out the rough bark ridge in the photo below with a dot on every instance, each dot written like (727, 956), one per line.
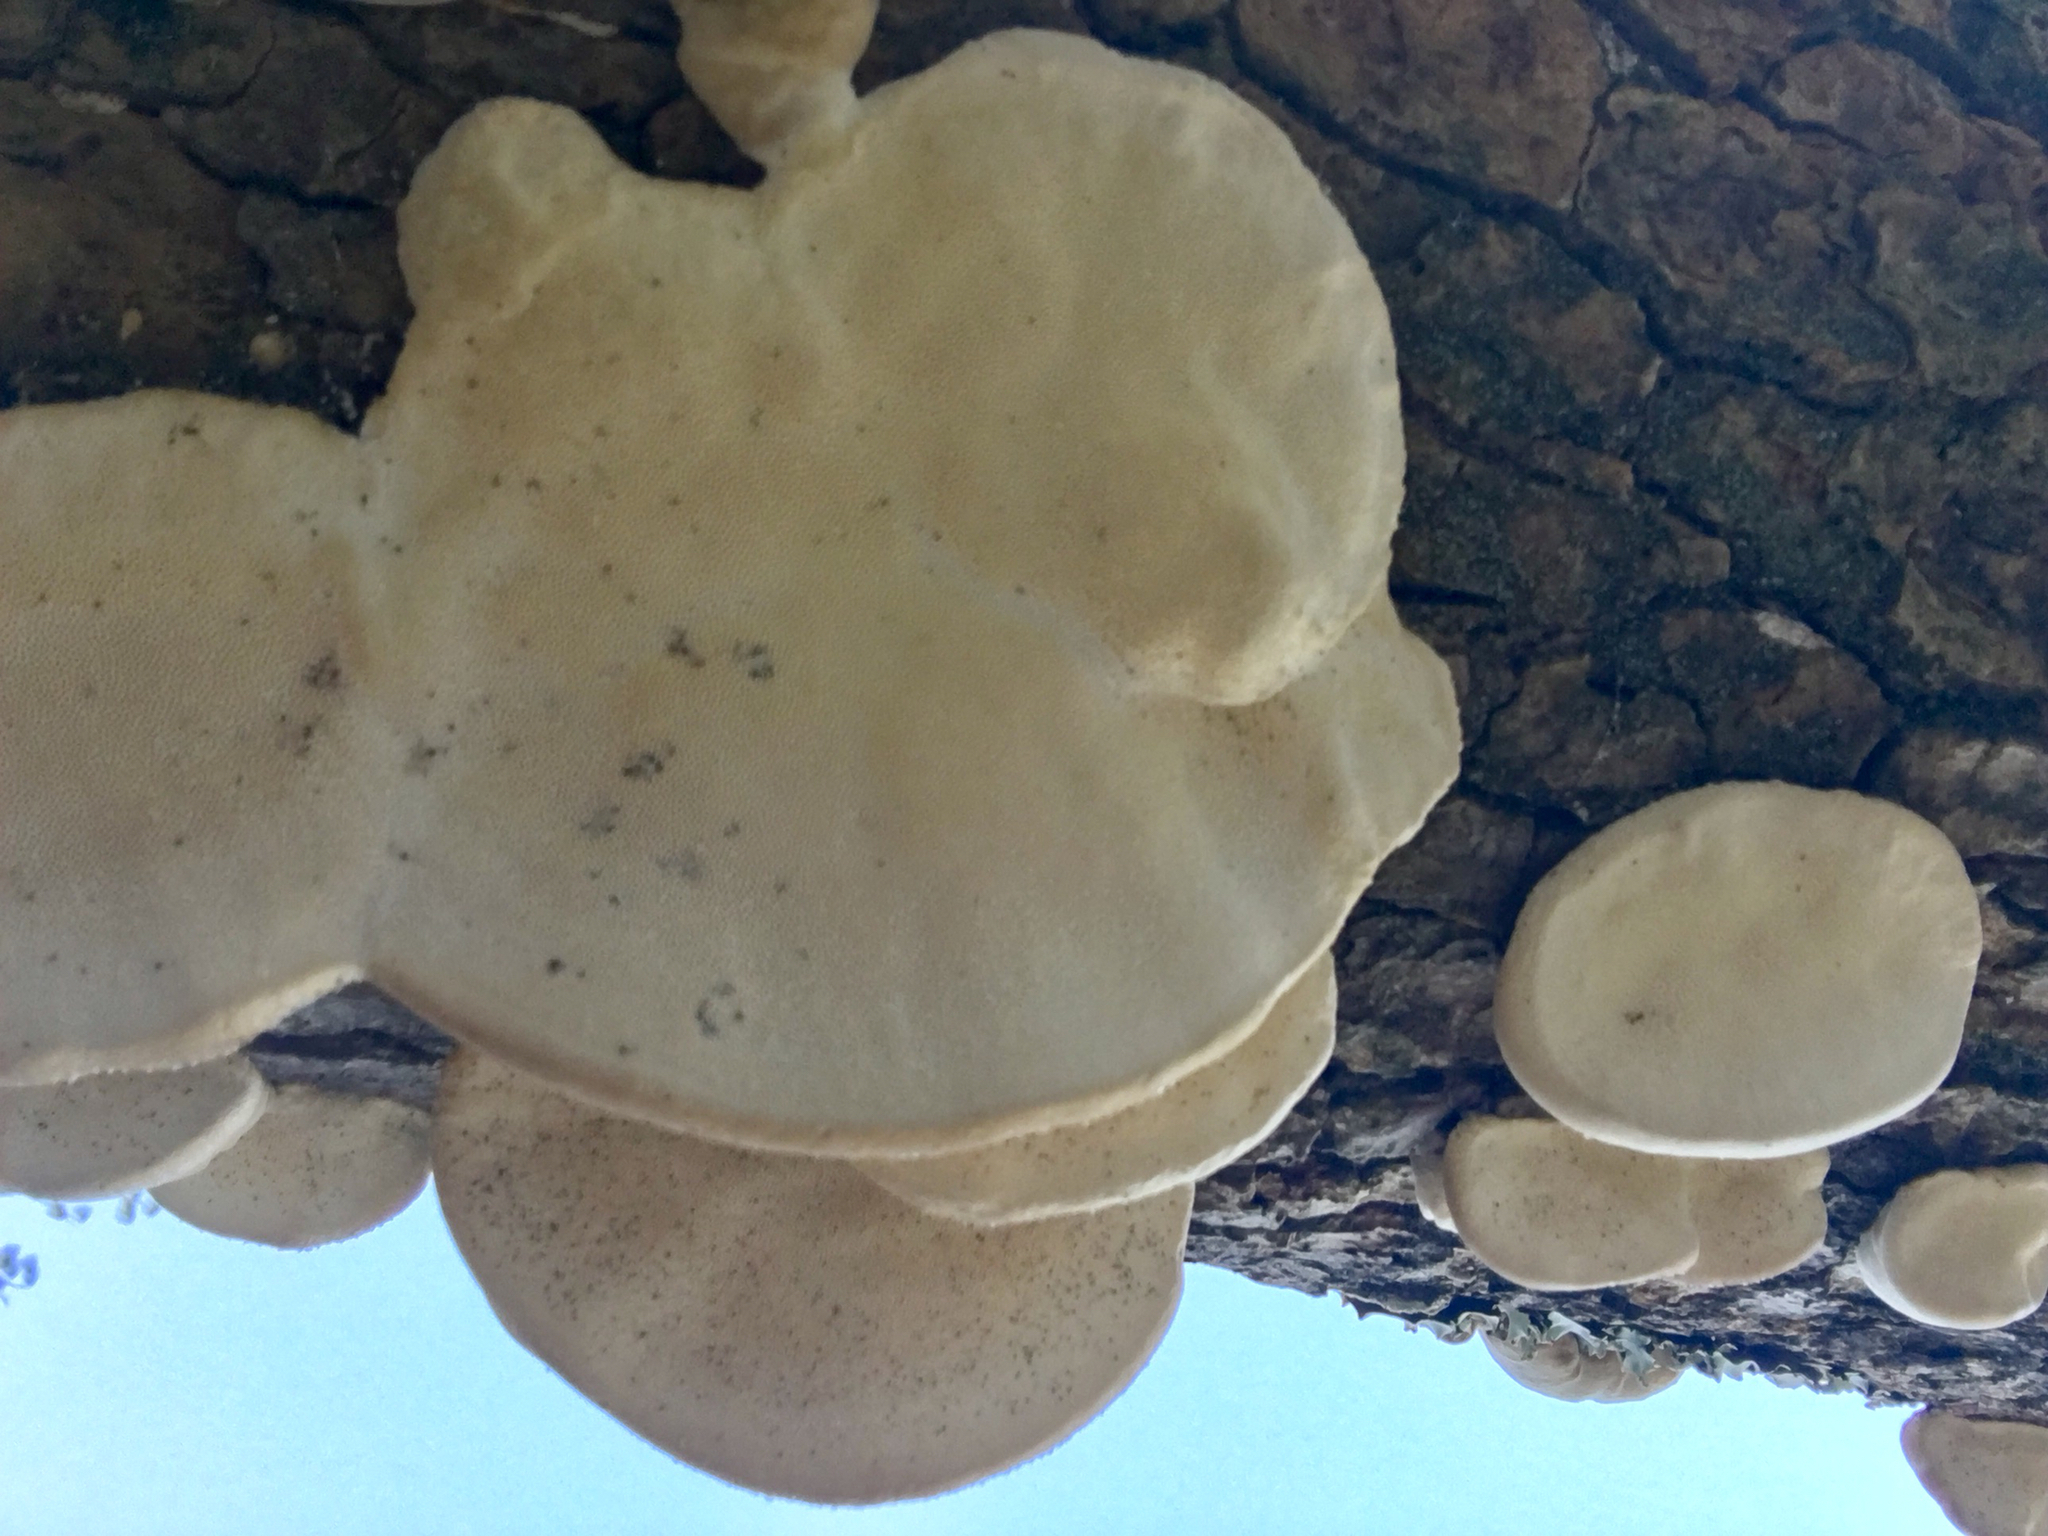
(1724, 331)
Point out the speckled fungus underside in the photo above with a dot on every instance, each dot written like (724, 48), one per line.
(1963, 1248)
(782, 1322)
(121, 1131)
(1207, 1119)
(317, 1168)
(1990, 1478)
(1745, 970)
(882, 662)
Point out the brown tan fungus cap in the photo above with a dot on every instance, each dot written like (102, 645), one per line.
(192, 802)
(317, 1168)
(1554, 1210)
(1746, 970)
(122, 1131)
(782, 1322)
(1962, 1248)
(1989, 1477)
(1566, 1370)
(1207, 1119)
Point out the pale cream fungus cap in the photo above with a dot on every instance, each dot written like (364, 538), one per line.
(1962, 1248)
(1554, 1210)
(881, 663)
(1207, 1119)
(1745, 970)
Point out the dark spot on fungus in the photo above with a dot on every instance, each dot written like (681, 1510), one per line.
(686, 865)
(678, 645)
(648, 763)
(601, 822)
(719, 1011)
(556, 966)
(754, 659)
(323, 675)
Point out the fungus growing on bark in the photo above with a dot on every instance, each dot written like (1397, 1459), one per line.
(1426, 1170)
(1207, 1119)
(122, 1131)
(1745, 970)
(1566, 1370)
(317, 1168)
(1990, 1478)
(1554, 1210)
(782, 1322)
(1963, 1248)
(692, 735)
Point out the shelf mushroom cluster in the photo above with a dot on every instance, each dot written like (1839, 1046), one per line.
(861, 703)
(1705, 995)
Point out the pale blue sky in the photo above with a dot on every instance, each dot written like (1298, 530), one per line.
(163, 1381)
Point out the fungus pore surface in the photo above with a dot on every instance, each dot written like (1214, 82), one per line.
(782, 1322)
(317, 1168)
(122, 1131)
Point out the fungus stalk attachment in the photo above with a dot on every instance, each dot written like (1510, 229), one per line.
(772, 70)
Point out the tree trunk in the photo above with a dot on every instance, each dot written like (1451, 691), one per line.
(1724, 334)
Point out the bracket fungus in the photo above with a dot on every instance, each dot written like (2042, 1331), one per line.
(1963, 1248)
(1207, 1119)
(892, 662)
(316, 1168)
(781, 1321)
(122, 1131)
(725, 676)
(1566, 1370)
(1554, 1210)
(1744, 970)
(1989, 1477)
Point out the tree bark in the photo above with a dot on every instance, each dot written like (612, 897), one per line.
(1723, 329)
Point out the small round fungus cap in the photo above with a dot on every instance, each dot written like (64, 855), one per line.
(1962, 1248)
(1566, 1370)
(770, 70)
(317, 1168)
(1209, 1118)
(782, 1322)
(1548, 1209)
(122, 1131)
(191, 813)
(1426, 1169)
(1745, 970)
(1756, 1217)
(1989, 1477)
(1559, 1211)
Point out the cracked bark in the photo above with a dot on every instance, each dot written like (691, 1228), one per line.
(1724, 339)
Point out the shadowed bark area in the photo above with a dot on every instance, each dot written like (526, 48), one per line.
(1724, 337)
